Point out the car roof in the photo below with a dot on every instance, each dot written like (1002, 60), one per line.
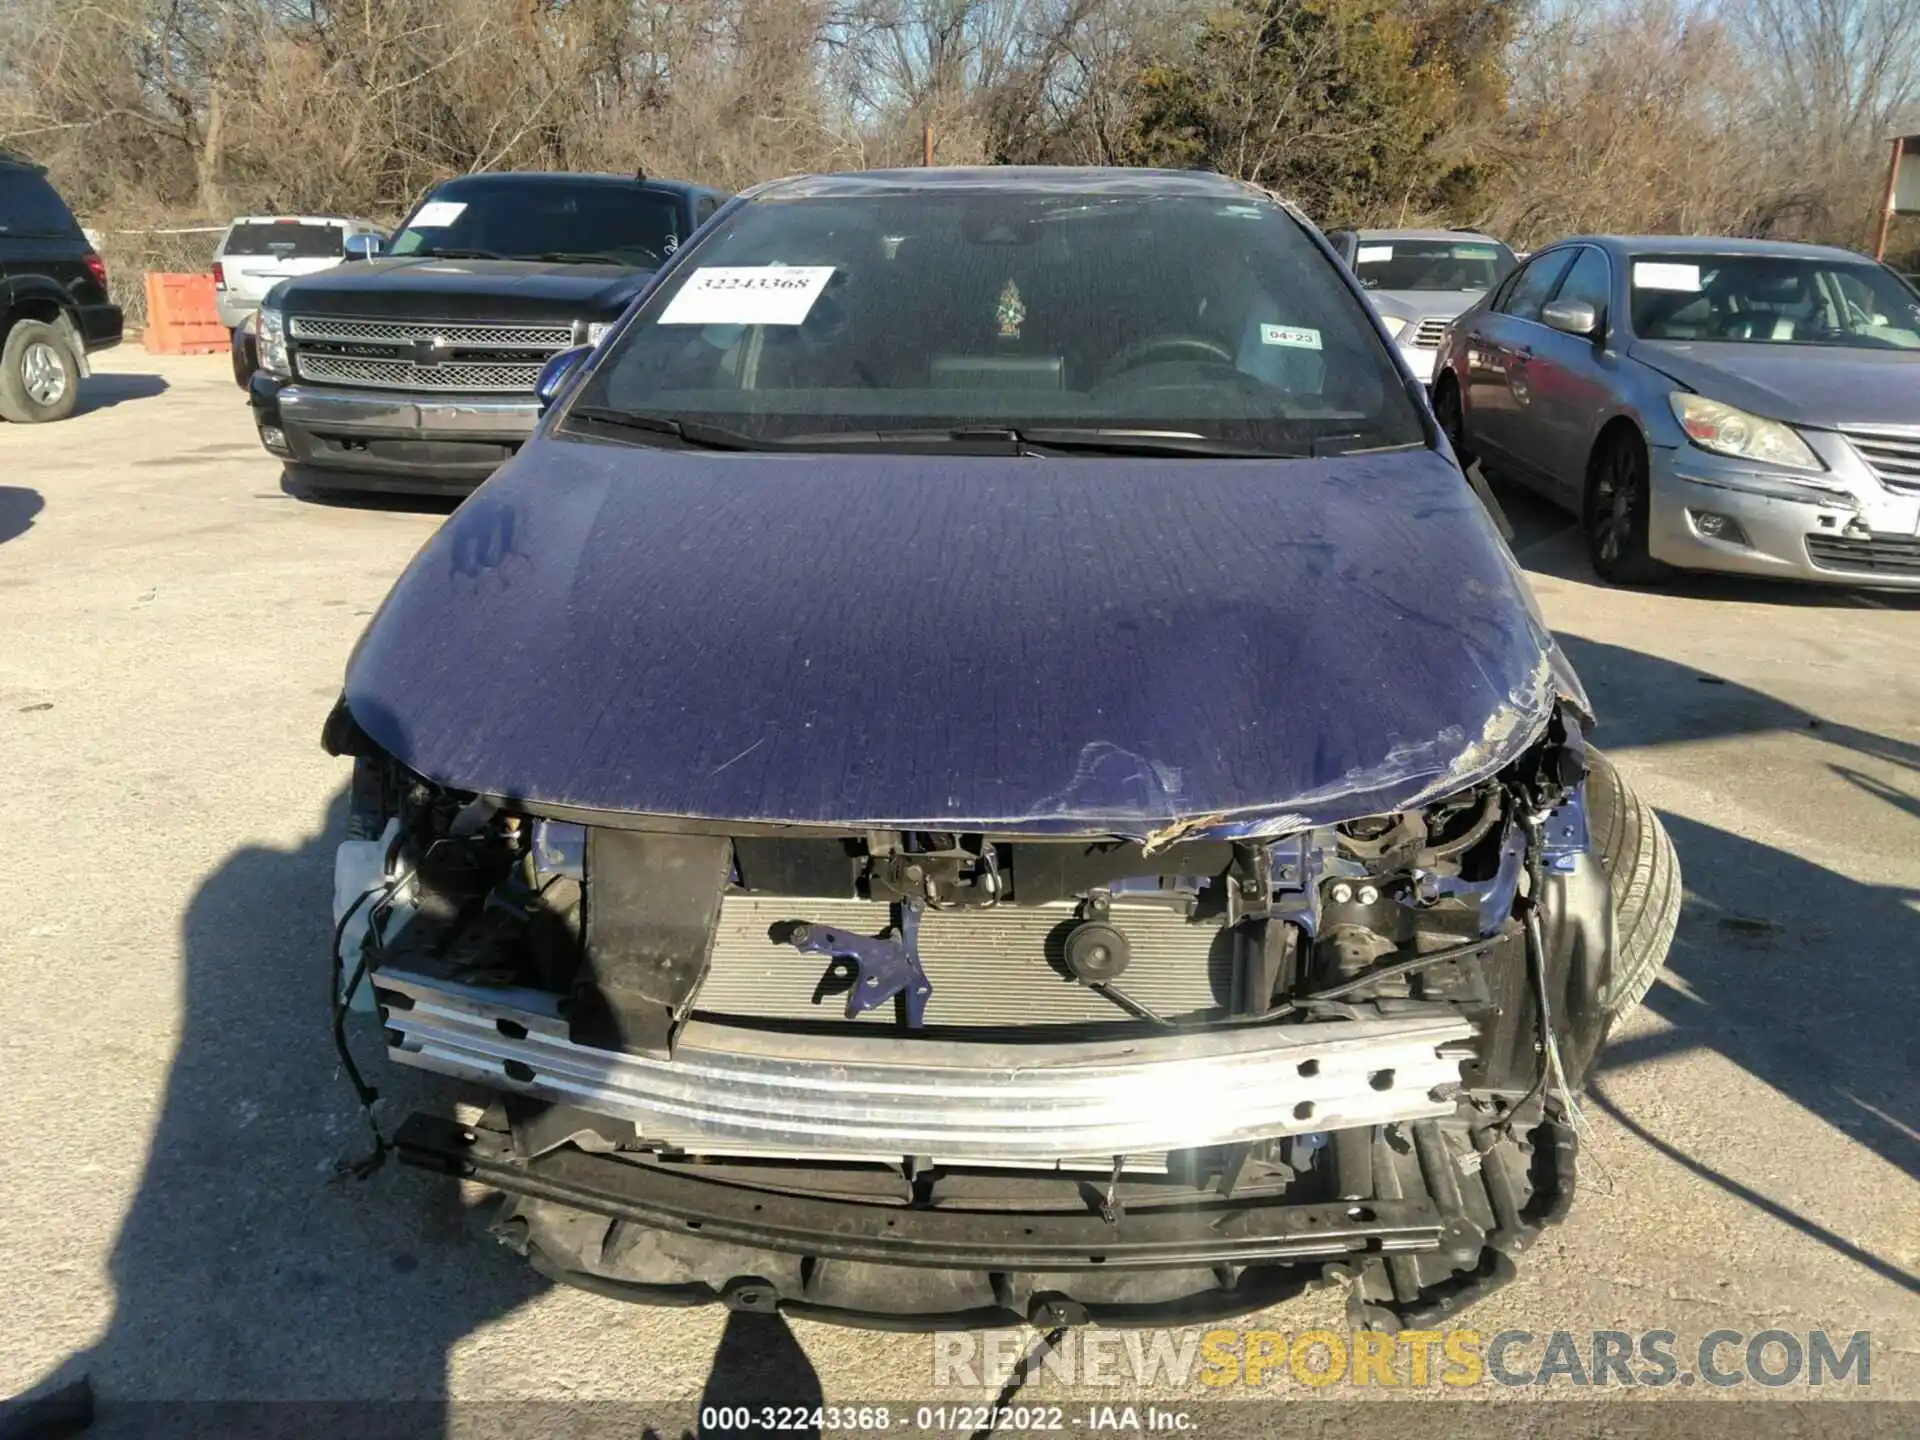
(1630, 245)
(1020, 179)
(1473, 235)
(579, 177)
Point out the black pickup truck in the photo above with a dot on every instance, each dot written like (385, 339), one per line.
(414, 372)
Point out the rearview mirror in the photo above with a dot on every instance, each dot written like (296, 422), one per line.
(1572, 317)
(363, 247)
(557, 374)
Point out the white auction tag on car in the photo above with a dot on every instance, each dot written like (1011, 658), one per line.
(437, 214)
(747, 295)
(1299, 337)
(1661, 275)
(1370, 254)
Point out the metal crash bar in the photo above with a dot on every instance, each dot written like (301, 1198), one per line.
(732, 1087)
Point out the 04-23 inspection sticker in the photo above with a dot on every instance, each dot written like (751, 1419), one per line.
(1295, 337)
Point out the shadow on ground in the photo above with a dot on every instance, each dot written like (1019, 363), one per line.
(18, 506)
(246, 1271)
(103, 391)
(316, 492)
(1801, 976)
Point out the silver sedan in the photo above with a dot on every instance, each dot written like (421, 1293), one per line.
(1702, 404)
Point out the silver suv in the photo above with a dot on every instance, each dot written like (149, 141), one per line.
(259, 251)
(1420, 279)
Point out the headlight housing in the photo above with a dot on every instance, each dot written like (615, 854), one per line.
(597, 331)
(1727, 431)
(270, 340)
(1397, 326)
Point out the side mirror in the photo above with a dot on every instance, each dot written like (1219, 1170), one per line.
(1571, 317)
(363, 247)
(559, 373)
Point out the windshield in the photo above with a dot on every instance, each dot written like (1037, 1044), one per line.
(1453, 265)
(560, 218)
(840, 319)
(1773, 300)
(286, 240)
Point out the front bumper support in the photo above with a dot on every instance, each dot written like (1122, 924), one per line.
(650, 1195)
(740, 1090)
(1437, 1237)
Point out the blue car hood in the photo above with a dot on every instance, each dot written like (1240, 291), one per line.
(1137, 647)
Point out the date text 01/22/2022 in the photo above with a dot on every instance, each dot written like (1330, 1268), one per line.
(958, 1419)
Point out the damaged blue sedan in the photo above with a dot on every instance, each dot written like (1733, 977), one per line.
(986, 764)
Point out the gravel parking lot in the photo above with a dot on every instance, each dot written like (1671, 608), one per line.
(173, 628)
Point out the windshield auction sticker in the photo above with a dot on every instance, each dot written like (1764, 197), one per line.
(1658, 275)
(438, 214)
(747, 295)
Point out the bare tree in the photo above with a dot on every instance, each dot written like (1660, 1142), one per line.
(1752, 115)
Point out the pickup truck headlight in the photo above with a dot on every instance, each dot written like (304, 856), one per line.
(1727, 431)
(597, 331)
(1397, 326)
(270, 340)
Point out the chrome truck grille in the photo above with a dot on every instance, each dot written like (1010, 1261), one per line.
(863, 1095)
(1427, 335)
(404, 375)
(424, 355)
(1892, 453)
(997, 967)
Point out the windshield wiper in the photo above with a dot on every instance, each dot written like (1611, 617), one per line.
(455, 252)
(700, 437)
(1147, 442)
(1078, 439)
(576, 257)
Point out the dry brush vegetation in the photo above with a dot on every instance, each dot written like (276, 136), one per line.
(1534, 118)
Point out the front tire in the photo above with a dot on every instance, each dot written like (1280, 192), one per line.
(1451, 415)
(1618, 512)
(1644, 874)
(39, 375)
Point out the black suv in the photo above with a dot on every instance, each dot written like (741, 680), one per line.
(54, 308)
(415, 372)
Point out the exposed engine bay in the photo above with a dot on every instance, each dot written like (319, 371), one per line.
(879, 1074)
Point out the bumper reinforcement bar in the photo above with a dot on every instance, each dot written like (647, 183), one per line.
(735, 1089)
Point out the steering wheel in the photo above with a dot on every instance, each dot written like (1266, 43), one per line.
(1163, 347)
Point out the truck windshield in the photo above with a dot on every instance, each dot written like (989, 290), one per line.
(1194, 324)
(1397, 264)
(1773, 300)
(564, 218)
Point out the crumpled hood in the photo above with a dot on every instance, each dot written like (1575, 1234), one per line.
(427, 288)
(1117, 646)
(1820, 385)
